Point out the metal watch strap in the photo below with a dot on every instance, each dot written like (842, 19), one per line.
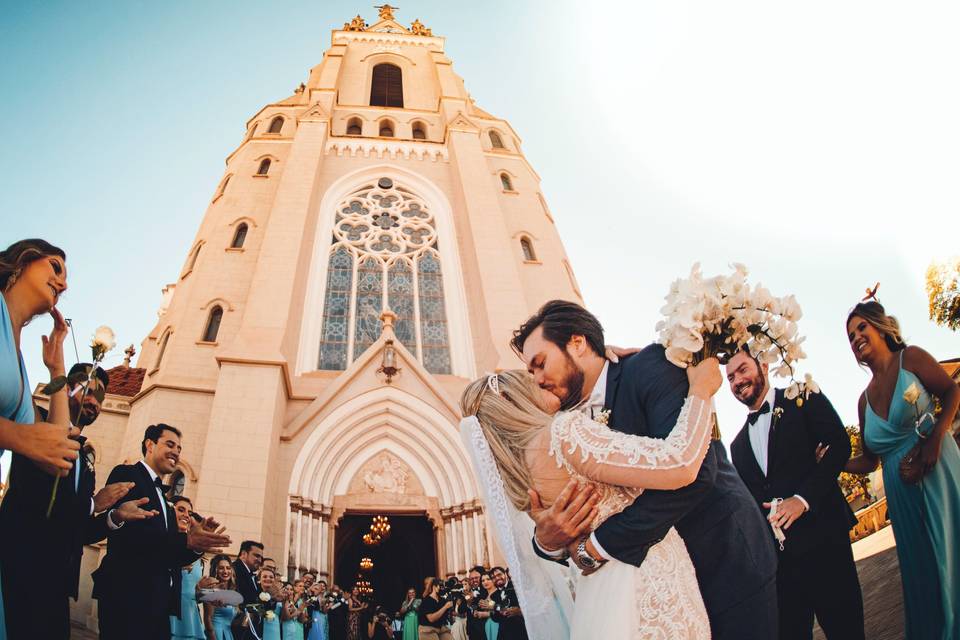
(584, 557)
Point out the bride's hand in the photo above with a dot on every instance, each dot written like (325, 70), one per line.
(705, 378)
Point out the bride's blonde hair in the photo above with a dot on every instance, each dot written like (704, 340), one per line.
(507, 406)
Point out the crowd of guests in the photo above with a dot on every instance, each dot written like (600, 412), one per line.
(152, 581)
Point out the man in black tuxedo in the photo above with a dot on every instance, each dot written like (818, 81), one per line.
(43, 554)
(245, 570)
(776, 455)
(138, 582)
(728, 541)
(475, 626)
(507, 611)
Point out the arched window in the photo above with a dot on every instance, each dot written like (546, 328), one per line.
(264, 167)
(213, 324)
(239, 236)
(223, 187)
(177, 482)
(527, 248)
(192, 260)
(386, 86)
(506, 182)
(384, 251)
(419, 131)
(354, 127)
(163, 348)
(495, 140)
(276, 125)
(386, 129)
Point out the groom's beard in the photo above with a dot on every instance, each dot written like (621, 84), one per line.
(753, 395)
(573, 383)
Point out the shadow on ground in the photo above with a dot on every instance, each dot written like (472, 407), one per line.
(882, 596)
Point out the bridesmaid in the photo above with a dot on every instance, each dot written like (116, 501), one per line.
(188, 625)
(319, 629)
(217, 619)
(488, 587)
(33, 276)
(271, 625)
(925, 516)
(294, 611)
(409, 610)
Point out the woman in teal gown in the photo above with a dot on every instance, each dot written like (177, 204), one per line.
(409, 609)
(488, 588)
(926, 515)
(26, 269)
(294, 607)
(188, 626)
(271, 624)
(217, 619)
(319, 627)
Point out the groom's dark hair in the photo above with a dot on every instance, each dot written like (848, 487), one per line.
(561, 320)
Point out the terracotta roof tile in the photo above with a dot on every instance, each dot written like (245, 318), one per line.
(125, 381)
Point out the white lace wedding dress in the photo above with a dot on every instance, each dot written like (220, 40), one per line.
(660, 600)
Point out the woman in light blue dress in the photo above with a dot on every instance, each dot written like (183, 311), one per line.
(926, 515)
(217, 619)
(319, 628)
(491, 626)
(33, 274)
(271, 623)
(294, 608)
(188, 626)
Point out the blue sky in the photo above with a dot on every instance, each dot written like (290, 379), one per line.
(815, 142)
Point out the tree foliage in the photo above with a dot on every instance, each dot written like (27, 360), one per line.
(943, 292)
(852, 484)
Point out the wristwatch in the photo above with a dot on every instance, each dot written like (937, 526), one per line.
(585, 559)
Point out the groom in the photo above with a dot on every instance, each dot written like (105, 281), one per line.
(727, 538)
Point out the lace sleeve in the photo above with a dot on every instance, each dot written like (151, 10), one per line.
(634, 461)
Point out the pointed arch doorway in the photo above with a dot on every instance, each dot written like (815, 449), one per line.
(402, 560)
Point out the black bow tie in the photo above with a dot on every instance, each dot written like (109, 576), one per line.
(164, 488)
(753, 416)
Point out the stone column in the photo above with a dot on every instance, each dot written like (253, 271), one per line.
(298, 547)
(324, 543)
(467, 551)
(315, 548)
(477, 537)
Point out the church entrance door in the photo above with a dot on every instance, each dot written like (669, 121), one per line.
(400, 561)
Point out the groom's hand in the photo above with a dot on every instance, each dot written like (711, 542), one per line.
(568, 519)
(787, 512)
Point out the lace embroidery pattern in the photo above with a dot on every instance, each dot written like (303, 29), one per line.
(607, 446)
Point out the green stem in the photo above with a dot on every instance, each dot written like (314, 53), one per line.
(83, 396)
(53, 496)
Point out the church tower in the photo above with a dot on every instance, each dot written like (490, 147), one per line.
(374, 239)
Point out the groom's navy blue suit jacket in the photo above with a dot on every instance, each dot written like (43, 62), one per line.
(728, 539)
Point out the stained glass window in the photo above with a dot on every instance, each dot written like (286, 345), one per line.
(369, 305)
(433, 318)
(336, 310)
(400, 300)
(384, 247)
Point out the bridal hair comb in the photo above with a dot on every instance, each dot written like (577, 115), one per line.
(493, 383)
(872, 294)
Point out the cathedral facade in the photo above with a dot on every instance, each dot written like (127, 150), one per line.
(373, 242)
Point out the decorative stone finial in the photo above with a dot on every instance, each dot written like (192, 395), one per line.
(417, 28)
(357, 24)
(386, 11)
(388, 318)
(130, 352)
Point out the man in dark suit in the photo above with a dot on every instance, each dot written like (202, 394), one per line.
(728, 541)
(776, 455)
(475, 626)
(43, 554)
(507, 611)
(138, 582)
(245, 570)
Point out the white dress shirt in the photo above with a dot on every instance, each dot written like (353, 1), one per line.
(163, 500)
(759, 433)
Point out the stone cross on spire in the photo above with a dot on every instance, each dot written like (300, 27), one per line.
(386, 11)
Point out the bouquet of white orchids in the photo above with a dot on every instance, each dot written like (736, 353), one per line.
(719, 316)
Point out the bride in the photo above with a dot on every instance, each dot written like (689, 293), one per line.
(509, 426)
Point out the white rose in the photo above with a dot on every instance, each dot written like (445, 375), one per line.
(912, 394)
(104, 338)
(264, 596)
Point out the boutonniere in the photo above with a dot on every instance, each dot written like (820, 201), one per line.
(777, 413)
(603, 417)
